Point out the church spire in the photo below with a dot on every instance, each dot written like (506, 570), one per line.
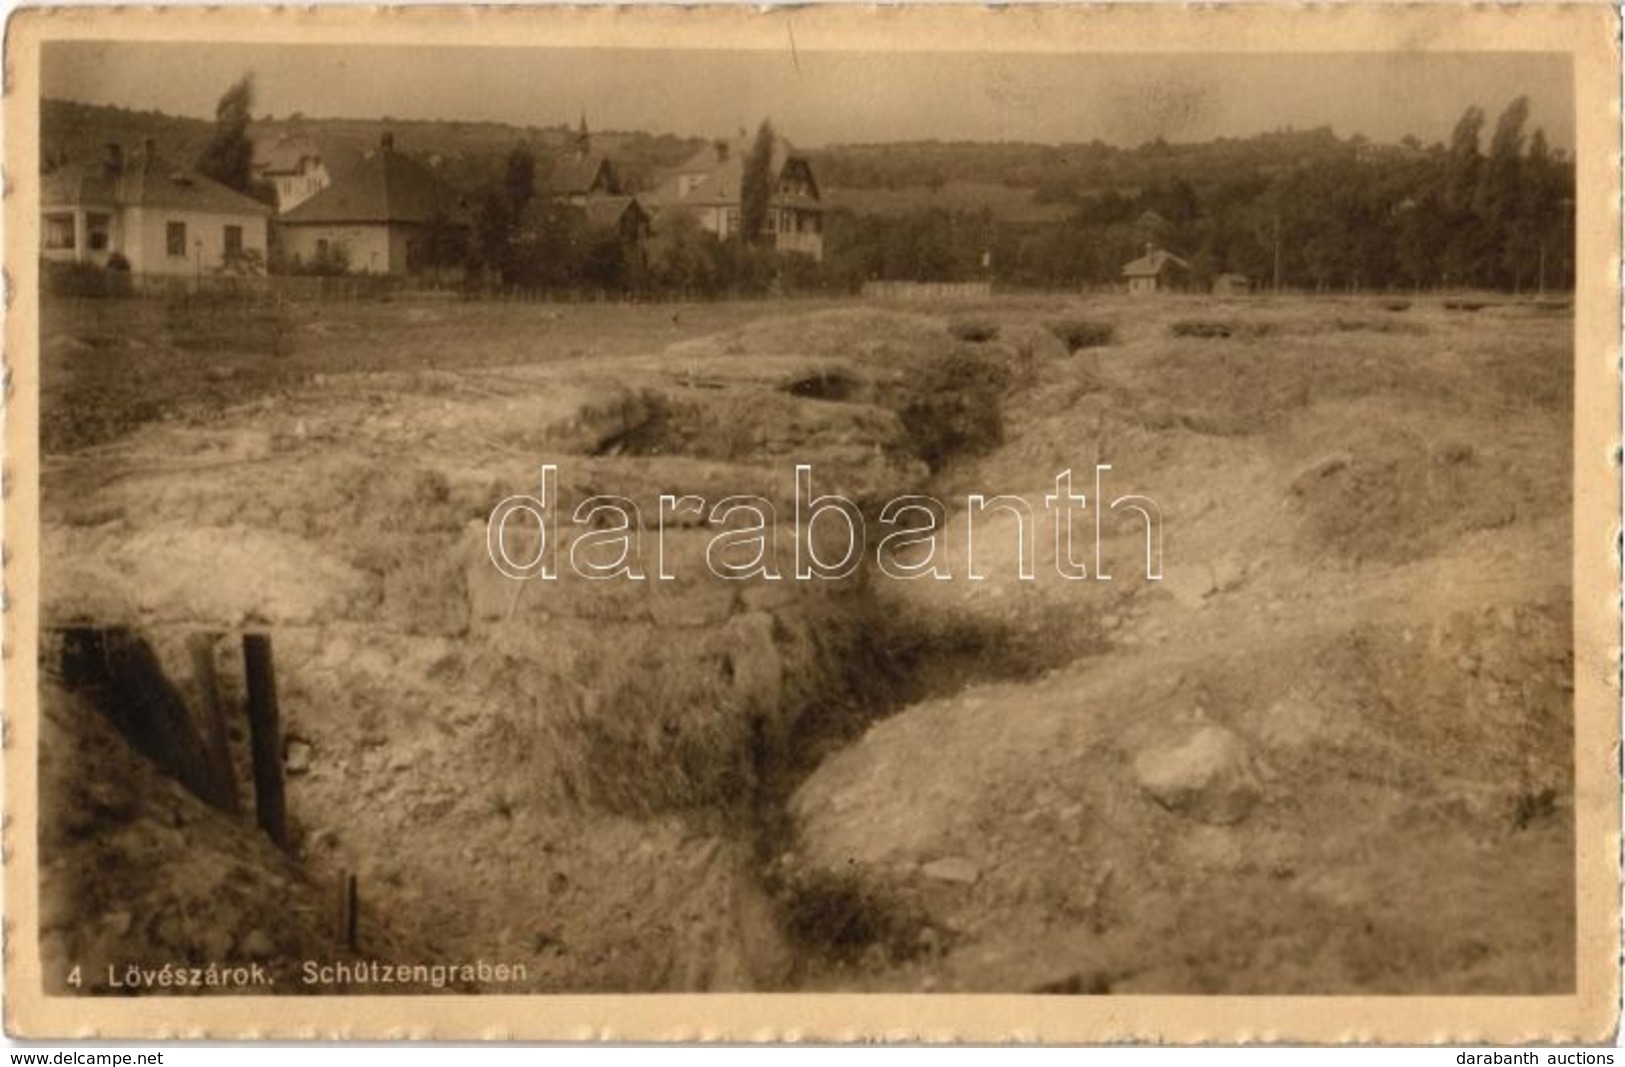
(583, 138)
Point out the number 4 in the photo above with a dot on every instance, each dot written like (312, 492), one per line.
(73, 977)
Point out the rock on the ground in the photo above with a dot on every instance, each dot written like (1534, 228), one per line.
(952, 869)
(1207, 777)
(296, 756)
(1190, 583)
(1229, 572)
(1319, 470)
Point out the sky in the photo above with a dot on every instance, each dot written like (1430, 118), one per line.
(819, 98)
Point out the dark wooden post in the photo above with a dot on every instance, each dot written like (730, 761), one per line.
(214, 723)
(349, 922)
(266, 731)
(352, 913)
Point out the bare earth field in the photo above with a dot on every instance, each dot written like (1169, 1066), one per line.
(1330, 751)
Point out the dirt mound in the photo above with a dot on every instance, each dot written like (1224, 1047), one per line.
(704, 784)
(589, 900)
(864, 334)
(1395, 489)
(223, 576)
(1036, 852)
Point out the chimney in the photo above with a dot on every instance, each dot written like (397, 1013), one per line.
(113, 161)
(1150, 247)
(386, 141)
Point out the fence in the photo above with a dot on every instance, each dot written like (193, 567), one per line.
(339, 288)
(351, 288)
(904, 291)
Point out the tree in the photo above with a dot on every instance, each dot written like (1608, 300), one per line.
(493, 233)
(228, 157)
(550, 246)
(1462, 165)
(1541, 222)
(499, 220)
(684, 257)
(1463, 260)
(756, 185)
(442, 243)
(1500, 197)
(1498, 188)
(519, 179)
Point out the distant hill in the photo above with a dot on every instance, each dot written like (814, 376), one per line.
(1019, 183)
(465, 152)
(81, 132)
(1069, 172)
(1009, 204)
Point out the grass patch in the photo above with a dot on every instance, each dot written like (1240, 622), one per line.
(84, 281)
(1217, 329)
(839, 918)
(642, 425)
(975, 331)
(225, 322)
(1078, 334)
(823, 385)
(956, 408)
(1375, 326)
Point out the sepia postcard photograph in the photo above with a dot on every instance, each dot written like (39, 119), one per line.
(942, 523)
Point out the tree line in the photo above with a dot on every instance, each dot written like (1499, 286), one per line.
(1466, 214)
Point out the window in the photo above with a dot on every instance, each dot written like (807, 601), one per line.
(321, 248)
(175, 238)
(233, 242)
(98, 231)
(59, 231)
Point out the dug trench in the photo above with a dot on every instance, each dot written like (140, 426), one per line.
(606, 733)
(870, 784)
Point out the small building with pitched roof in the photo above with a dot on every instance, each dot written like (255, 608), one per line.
(578, 177)
(581, 173)
(378, 218)
(159, 216)
(623, 214)
(585, 178)
(294, 168)
(1159, 270)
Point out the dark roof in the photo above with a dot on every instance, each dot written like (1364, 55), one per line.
(285, 155)
(145, 179)
(609, 210)
(387, 186)
(1153, 263)
(575, 174)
